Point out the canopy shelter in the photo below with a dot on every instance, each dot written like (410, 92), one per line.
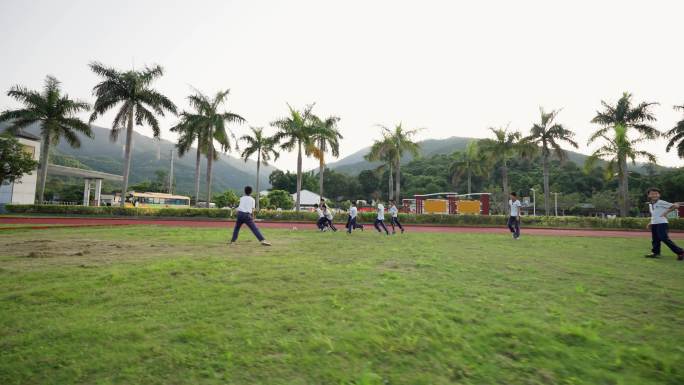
(91, 179)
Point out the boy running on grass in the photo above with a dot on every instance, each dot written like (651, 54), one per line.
(351, 220)
(380, 220)
(394, 213)
(244, 216)
(329, 218)
(321, 223)
(514, 218)
(658, 225)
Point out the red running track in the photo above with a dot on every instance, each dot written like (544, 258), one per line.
(52, 222)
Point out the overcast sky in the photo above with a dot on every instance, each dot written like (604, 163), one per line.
(453, 67)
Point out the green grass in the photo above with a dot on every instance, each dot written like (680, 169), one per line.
(159, 305)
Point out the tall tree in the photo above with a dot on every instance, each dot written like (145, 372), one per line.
(327, 138)
(383, 150)
(548, 136)
(468, 163)
(676, 135)
(55, 113)
(190, 133)
(615, 149)
(402, 142)
(212, 127)
(15, 162)
(619, 119)
(500, 150)
(297, 130)
(263, 147)
(132, 90)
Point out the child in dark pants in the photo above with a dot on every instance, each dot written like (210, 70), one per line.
(380, 219)
(514, 218)
(322, 222)
(658, 225)
(351, 220)
(394, 214)
(244, 216)
(329, 218)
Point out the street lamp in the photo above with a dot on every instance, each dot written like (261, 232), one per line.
(555, 202)
(534, 202)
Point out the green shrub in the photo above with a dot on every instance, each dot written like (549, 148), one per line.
(305, 216)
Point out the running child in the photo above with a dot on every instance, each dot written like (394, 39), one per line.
(322, 222)
(658, 225)
(244, 216)
(329, 218)
(394, 212)
(514, 218)
(380, 220)
(351, 220)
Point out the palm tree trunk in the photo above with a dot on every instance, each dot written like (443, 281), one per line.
(391, 182)
(257, 181)
(127, 156)
(547, 192)
(397, 181)
(44, 160)
(210, 162)
(624, 188)
(504, 174)
(469, 179)
(198, 161)
(321, 166)
(299, 174)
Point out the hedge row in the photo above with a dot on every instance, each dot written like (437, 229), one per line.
(454, 220)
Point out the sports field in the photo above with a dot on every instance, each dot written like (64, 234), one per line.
(167, 305)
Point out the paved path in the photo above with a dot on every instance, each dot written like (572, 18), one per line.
(52, 222)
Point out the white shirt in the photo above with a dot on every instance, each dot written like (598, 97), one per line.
(394, 211)
(657, 210)
(320, 213)
(515, 207)
(381, 212)
(328, 214)
(247, 204)
(352, 212)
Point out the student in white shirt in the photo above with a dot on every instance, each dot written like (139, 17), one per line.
(514, 217)
(394, 213)
(380, 219)
(322, 222)
(658, 224)
(351, 220)
(329, 217)
(244, 216)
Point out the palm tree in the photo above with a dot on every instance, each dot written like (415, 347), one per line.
(210, 125)
(467, 163)
(501, 149)
(132, 89)
(189, 133)
(297, 130)
(383, 150)
(616, 150)
(619, 119)
(401, 142)
(263, 147)
(55, 112)
(548, 135)
(676, 135)
(328, 137)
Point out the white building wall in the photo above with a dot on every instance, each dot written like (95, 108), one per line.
(22, 191)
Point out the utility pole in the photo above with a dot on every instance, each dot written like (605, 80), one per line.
(534, 202)
(171, 175)
(555, 202)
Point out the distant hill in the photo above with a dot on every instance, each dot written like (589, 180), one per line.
(355, 163)
(102, 155)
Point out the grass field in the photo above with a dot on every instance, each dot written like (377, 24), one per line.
(159, 305)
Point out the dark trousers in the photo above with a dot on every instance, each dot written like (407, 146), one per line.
(378, 223)
(330, 223)
(245, 218)
(352, 225)
(395, 221)
(321, 223)
(659, 234)
(514, 225)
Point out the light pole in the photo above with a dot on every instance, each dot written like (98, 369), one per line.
(555, 202)
(534, 202)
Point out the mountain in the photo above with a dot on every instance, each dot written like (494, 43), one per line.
(102, 155)
(355, 163)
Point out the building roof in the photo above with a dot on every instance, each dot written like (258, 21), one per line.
(307, 198)
(54, 169)
(21, 134)
(157, 195)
